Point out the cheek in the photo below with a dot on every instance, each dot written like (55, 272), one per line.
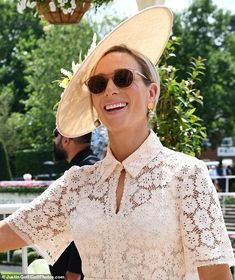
(141, 96)
(95, 102)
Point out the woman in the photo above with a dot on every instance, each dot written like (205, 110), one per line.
(144, 211)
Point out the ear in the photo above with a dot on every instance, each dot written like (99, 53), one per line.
(65, 141)
(153, 93)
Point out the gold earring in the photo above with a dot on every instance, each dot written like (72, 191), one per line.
(150, 110)
(150, 107)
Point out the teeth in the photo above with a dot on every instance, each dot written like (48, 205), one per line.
(114, 106)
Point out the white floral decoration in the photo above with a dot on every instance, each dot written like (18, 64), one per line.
(67, 6)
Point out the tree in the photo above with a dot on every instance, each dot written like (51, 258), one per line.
(5, 172)
(176, 121)
(209, 32)
(57, 49)
(19, 34)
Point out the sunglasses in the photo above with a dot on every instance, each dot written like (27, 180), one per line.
(122, 78)
(55, 132)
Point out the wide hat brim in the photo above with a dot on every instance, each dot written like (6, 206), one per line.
(146, 32)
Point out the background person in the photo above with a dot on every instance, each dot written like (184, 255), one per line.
(144, 211)
(77, 151)
(221, 172)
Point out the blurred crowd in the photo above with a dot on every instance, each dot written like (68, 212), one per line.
(216, 172)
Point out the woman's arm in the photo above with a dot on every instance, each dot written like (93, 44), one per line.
(9, 239)
(215, 272)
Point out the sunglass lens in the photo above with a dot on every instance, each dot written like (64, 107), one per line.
(97, 84)
(56, 133)
(123, 78)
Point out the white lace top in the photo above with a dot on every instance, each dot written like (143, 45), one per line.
(169, 221)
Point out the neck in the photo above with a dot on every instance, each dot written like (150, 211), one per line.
(74, 150)
(123, 144)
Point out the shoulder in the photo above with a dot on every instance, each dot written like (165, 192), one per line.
(82, 174)
(182, 163)
(181, 158)
(190, 175)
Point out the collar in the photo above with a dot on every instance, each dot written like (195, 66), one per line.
(79, 157)
(148, 150)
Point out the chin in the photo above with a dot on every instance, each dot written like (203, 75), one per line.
(118, 127)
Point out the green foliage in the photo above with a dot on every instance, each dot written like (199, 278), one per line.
(208, 32)
(175, 121)
(17, 256)
(53, 52)
(3, 256)
(43, 67)
(31, 161)
(229, 200)
(19, 34)
(33, 255)
(13, 189)
(5, 172)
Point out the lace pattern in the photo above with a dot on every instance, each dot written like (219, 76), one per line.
(169, 221)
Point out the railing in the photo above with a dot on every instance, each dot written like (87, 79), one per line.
(227, 181)
(5, 210)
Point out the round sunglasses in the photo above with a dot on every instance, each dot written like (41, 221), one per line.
(122, 78)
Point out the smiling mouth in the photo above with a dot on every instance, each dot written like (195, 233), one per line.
(115, 107)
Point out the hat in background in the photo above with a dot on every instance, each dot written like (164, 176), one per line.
(146, 32)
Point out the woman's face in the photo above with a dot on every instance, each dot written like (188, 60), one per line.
(123, 108)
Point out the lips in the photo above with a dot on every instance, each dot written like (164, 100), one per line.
(115, 106)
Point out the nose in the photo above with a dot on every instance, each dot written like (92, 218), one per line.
(111, 88)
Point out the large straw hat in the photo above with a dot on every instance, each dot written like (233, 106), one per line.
(147, 32)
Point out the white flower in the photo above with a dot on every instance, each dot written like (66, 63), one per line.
(70, 11)
(21, 6)
(31, 5)
(93, 44)
(75, 67)
(65, 11)
(67, 6)
(73, 4)
(52, 6)
(66, 73)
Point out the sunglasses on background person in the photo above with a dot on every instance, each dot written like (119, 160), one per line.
(55, 132)
(122, 78)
